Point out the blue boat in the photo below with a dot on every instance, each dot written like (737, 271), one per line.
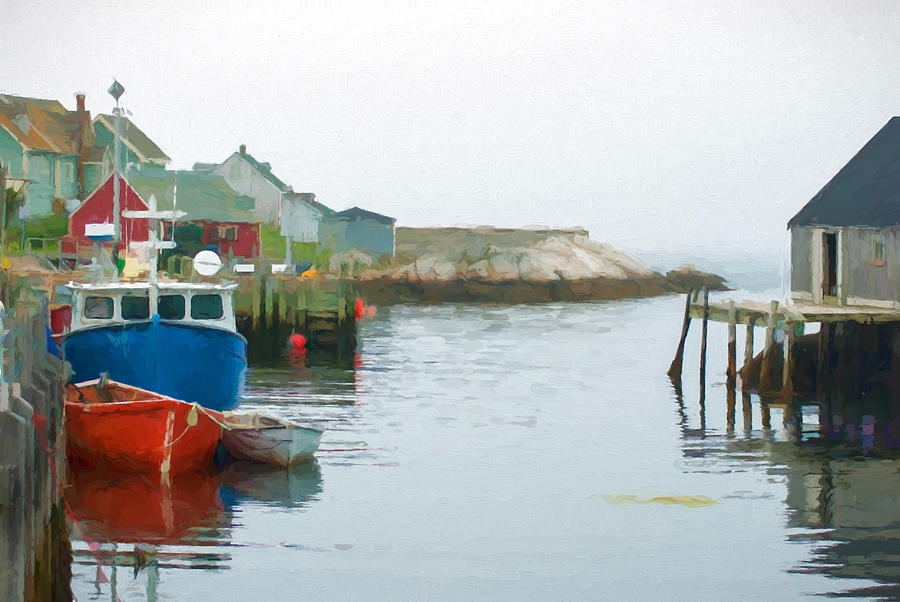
(174, 338)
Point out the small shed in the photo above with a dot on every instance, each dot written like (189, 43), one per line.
(357, 228)
(845, 242)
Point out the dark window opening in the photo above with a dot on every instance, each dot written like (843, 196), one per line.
(135, 307)
(98, 308)
(831, 269)
(206, 307)
(171, 307)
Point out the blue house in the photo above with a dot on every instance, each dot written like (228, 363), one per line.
(50, 152)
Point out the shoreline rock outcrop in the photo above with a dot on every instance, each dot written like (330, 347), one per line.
(558, 268)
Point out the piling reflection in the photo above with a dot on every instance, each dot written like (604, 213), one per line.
(839, 457)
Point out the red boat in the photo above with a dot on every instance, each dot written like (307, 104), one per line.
(122, 428)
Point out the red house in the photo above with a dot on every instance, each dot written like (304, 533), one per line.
(98, 209)
(239, 239)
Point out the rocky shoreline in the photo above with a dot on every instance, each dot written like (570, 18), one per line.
(568, 267)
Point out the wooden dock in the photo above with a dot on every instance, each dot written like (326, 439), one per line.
(787, 319)
(34, 551)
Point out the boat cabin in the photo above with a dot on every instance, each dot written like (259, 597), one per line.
(197, 304)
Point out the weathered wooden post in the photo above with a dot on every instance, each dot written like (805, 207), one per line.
(787, 371)
(747, 411)
(748, 341)
(675, 367)
(703, 346)
(765, 371)
(731, 371)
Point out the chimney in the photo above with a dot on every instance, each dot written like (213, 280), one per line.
(243, 149)
(82, 139)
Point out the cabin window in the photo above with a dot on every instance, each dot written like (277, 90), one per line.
(98, 308)
(206, 307)
(171, 307)
(878, 256)
(135, 307)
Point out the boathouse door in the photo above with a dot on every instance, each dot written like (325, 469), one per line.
(829, 271)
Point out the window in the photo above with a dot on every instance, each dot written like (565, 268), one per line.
(171, 307)
(878, 257)
(227, 233)
(135, 307)
(98, 308)
(206, 307)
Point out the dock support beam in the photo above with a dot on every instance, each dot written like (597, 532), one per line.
(731, 371)
(765, 371)
(675, 367)
(787, 371)
(748, 341)
(703, 346)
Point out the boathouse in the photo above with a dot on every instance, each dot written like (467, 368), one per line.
(845, 242)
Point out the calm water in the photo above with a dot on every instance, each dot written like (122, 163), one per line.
(510, 453)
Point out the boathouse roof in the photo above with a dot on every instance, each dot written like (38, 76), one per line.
(865, 192)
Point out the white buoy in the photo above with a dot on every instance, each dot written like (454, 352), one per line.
(207, 263)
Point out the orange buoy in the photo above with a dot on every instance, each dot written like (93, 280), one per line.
(360, 308)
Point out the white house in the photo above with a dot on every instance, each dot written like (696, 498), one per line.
(255, 179)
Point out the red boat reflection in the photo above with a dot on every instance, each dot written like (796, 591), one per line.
(140, 508)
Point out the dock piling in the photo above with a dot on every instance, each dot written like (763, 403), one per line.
(787, 388)
(731, 371)
(703, 346)
(675, 367)
(765, 371)
(748, 341)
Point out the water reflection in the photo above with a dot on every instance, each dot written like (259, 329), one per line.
(242, 482)
(839, 459)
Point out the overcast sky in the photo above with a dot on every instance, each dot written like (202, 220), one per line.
(657, 126)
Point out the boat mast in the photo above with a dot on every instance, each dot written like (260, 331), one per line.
(116, 90)
(153, 243)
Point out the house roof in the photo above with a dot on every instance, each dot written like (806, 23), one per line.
(41, 124)
(310, 199)
(135, 139)
(865, 192)
(204, 196)
(264, 169)
(355, 213)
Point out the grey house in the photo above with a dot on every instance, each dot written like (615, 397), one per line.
(845, 242)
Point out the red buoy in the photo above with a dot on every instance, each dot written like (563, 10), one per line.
(360, 308)
(298, 342)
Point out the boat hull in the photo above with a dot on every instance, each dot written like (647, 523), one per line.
(283, 445)
(189, 362)
(154, 436)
